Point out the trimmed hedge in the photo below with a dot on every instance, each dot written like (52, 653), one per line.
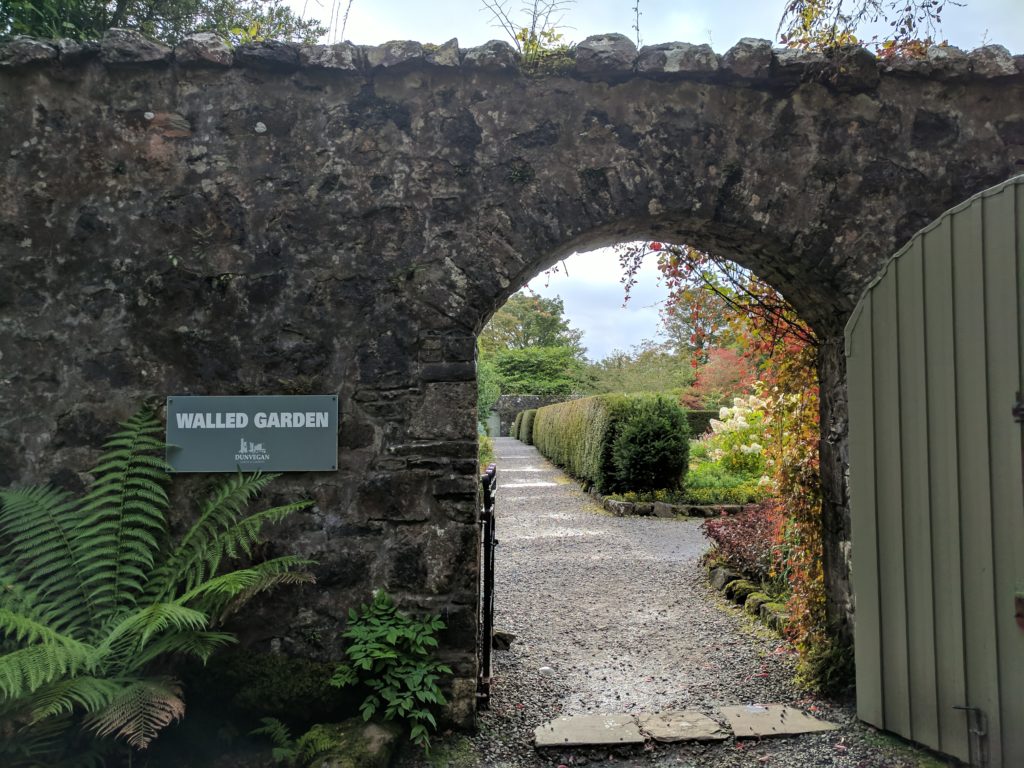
(526, 428)
(580, 436)
(514, 432)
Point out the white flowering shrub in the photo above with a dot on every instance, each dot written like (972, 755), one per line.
(736, 441)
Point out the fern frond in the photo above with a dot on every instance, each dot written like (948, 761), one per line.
(40, 548)
(123, 516)
(191, 643)
(276, 731)
(226, 593)
(133, 632)
(139, 711)
(25, 670)
(313, 743)
(90, 694)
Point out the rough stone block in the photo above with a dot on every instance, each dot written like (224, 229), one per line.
(661, 509)
(754, 601)
(204, 48)
(606, 54)
(23, 51)
(774, 615)
(269, 55)
(446, 55)
(618, 508)
(721, 576)
(643, 508)
(671, 58)
(750, 58)
(358, 744)
(342, 56)
(992, 61)
(738, 589)
(126, 46)
(495, 54)
(393, 53)
(948, 61)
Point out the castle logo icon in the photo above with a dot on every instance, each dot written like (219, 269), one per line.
(250, 452)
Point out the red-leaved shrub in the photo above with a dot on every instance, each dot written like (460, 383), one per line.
(748, 541)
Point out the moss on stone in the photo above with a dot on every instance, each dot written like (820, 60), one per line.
(357, 744)
(738, 589)
(754, 602)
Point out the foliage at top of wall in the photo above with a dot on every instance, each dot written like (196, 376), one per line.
(166, 20)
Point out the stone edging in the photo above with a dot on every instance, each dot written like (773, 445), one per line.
(747, 594)
(609, 57)
(663, 509)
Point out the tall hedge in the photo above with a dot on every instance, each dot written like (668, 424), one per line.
(526, 428)
(580, 436)
(514, 432)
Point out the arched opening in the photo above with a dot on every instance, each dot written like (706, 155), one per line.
(631, 646)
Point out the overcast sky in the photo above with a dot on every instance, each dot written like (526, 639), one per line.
(589, 285)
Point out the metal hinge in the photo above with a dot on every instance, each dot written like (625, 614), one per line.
(977, 729)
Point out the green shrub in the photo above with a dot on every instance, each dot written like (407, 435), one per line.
(393, 655)
(516, 425)
(579, 436)
(651, 449)
(526, 428)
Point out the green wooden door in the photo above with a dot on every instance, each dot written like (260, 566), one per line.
(934, 353)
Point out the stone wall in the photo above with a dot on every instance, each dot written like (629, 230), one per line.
(344, 220)
(507, 406)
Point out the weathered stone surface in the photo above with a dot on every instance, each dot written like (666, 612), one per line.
(605, 54)
(496, 54)
(738, 589)
(618, 508)
(757, 721)
(750, 58)
(446, 55)
(393, 53)
(270, 55)
(341, 56)
(673, 726)
(203, 48)
(754, 601)
(661, 509)
(126, 46)
(255, 234)
(643, 509)
(508, 406)
(774, 615)
(73, 52)
(22, 51)
(856, 70)
(719, 577)
(359, 744)
(670, 58)
(796, 63)
(588, 730)
(992, 61)
(948, 61)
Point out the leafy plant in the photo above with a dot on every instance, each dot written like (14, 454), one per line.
(291, 751)
(95, 596)
(392, 654)
(746, 541)
(538, 40)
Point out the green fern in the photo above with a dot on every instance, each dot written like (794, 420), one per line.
(93, 594)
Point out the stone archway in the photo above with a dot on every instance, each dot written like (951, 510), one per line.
(345, 219)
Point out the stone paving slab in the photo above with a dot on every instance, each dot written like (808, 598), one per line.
(588, 731)
(681, 725)
(756, 721)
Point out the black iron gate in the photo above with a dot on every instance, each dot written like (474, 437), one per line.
(485, 640)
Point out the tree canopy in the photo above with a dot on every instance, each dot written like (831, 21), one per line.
(165, 20)
(531, 321)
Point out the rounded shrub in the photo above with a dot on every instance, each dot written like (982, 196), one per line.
(514, 432)
(651, 448)
(526, 428)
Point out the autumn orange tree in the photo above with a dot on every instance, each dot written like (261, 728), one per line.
(784, 349)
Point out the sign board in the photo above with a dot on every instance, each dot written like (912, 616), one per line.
(280, 433)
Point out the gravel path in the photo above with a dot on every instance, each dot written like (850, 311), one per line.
(615, 615)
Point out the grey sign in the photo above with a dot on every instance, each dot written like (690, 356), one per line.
(280, 433)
